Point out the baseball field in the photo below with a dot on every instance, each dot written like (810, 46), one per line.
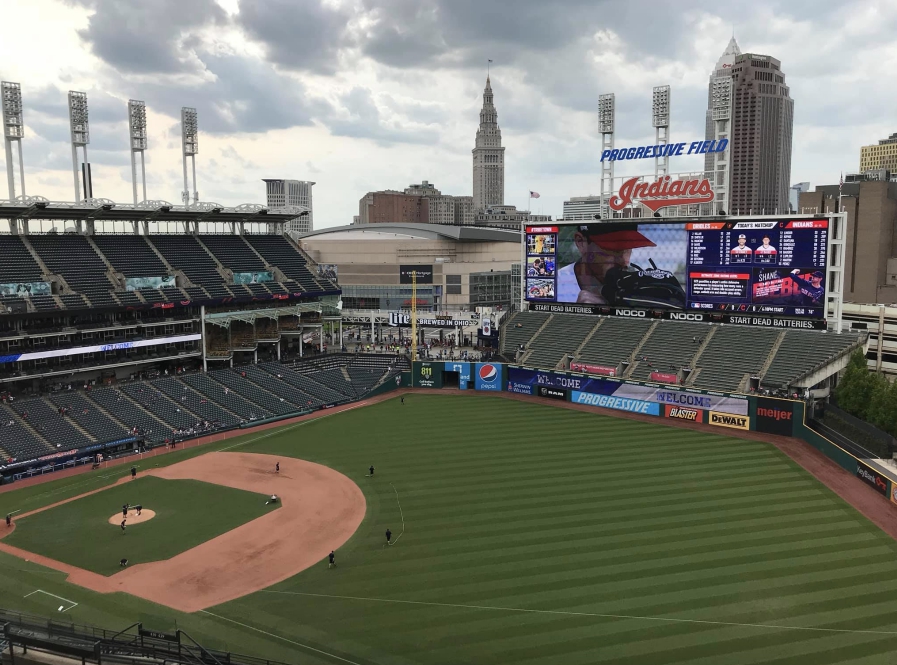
(522, 533)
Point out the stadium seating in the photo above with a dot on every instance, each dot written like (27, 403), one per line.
(302, 401)
(89, 416)
(198, 404)
(732, 353)
(803, 351)
(561, 336)
(519, 330)
(305, 383)
(278, 251)
(186, 254)
(614, 341)
(335, 379)
(250, 391)
(53, 427)
(72, 257)
(18, 440)
(670, 347)
(156, 403)
(130, 414)
(231, 401)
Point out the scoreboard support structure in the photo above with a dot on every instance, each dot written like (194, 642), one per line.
(834, 272)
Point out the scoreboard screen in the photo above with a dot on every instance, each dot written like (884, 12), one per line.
(762, 267)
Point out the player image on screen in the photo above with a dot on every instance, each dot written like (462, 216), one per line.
(812, 291)
(602, 273)
(766, 249)
(741, 250)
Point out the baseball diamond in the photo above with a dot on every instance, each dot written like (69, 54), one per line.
(528, 533)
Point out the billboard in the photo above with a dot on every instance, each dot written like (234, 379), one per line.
(137, 283)
(253, 277)
(746, 267)
(427, 375)
(872, 478)
(518, 377)
(327, 271)
(684, 413)
(463, 370)
(488, 376)
(424, 274)
(774, 416)
(26, 289)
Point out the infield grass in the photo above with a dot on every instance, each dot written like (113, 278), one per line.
(537, 535)
(188, 512)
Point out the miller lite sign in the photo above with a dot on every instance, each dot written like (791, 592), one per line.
(662, 193)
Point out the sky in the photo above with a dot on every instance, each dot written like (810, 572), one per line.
(364, 95)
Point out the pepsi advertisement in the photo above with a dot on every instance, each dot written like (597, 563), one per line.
(488, 376)
(772, 267)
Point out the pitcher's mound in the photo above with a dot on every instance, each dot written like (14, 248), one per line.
(133, 518)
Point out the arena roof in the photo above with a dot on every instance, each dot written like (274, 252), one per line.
(38, 207)
(417, 231)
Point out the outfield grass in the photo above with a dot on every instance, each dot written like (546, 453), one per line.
(188, 512)
(541, 536)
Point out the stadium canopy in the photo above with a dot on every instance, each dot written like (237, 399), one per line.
(379, 231)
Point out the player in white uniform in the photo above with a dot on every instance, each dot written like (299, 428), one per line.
(741, 250)
(766, 249)
(601, 247)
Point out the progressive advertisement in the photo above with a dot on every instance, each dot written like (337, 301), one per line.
(753, 268)
(518, 377)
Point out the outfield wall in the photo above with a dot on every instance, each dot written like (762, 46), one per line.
(768, 415)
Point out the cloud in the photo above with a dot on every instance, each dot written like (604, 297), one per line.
(359, 117)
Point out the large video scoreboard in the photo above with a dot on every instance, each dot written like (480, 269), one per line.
(760, 271)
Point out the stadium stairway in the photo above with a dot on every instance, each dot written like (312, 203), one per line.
(520, 329)
(232, 378)
(21, 440)
(155, 401)
(130, 413)
(235, 403)
(733, 353)
(197, 405)
(556, 339)
(588, 337)
(90, 417)
(270, 382)
(615, 341)
(669, 347)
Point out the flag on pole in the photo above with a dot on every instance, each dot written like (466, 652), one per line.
(534, 195)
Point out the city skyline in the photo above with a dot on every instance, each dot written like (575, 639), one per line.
(358, 113)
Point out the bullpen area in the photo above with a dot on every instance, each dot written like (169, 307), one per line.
(520, 533)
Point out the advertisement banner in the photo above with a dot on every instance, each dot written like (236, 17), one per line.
(487, 376)
(664, 377)
(253, 277)
(894, 493)
(728, 420)
(588, 368)
(427, 375)
(774, 416)
(101, 348)
(463, 369)
(424, 274)
(632, 390)
(553, 393)
(403, 320)
(683, 413)
(327, 271)
(872, 478)
(618, 403)
(137, 283)
(23, 289)
(520, 388)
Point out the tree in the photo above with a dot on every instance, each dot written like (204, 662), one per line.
(883, 407)
(858, 386)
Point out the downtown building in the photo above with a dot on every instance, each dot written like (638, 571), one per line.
(417, 204)
(282, 193)
(488, 157)
(750, 105)
(882, 156)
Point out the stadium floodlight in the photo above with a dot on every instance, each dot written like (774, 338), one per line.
(190, 147)
(660, 112)
(607, 108)
(13, 131)
(80, 129)
(137, 138)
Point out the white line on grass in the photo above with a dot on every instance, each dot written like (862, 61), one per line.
(400, 513)
(278, 637)
(287, 429)
(587, 614)
(47, 593)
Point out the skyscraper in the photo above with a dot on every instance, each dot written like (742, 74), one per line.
(488, 157)
(759, 127)
(292, 193)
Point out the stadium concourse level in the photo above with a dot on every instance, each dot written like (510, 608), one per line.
(90, 271)
(174, 408)
(719, 357)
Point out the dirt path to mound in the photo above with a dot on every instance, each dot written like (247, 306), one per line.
(320, 510)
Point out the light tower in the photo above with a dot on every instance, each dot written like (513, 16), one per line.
(190, 146)
(606, 112)
(13, 131)
(661, 115)
(80, 130)
(137, 131)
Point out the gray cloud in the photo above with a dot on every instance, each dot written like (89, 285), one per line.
(360, 118)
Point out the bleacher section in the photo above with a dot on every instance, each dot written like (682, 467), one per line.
(89, 417)
(53, 427)
(227, 399)
(732, 353)
(803, 351)
(156, 403)
(670, 347)
(614, 341)
(199, 405)
(306, 384)
(519, 330)
(185, 254)
(133, 257)
(18, 440)
(562, 336)
(245, 388)
(130, 414)
(279, 252)
(72, 257)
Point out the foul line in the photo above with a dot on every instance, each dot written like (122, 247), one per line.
(277, 430)
(400, 513)
(47, 593)
(587, 614)
(278, 637)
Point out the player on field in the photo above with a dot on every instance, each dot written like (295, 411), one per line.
(332, 557)
(388, 537)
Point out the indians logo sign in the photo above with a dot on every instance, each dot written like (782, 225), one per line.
(662, 193)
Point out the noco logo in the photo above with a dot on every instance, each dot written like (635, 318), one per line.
(728, 420)
(694, 415)
(631, 312)
(686, 316)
